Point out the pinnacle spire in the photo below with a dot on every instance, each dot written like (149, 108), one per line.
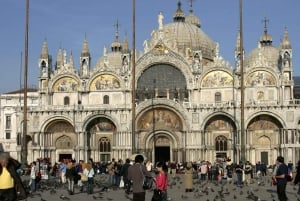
(85, 48)
(44, 52)
(285, 43)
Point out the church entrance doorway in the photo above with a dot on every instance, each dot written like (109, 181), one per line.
(162, 153)
(63, 157)
(264, 155)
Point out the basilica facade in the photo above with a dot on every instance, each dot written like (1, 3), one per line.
(187, 101)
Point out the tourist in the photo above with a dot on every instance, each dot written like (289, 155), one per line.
(297, 177)
(124, 175)
(161, 180)
(188, 177)
(136, 174)
(70, 176)
(11, 186)
(280, 178)
(89, 173)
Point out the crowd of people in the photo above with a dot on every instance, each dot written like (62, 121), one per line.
(131, 175)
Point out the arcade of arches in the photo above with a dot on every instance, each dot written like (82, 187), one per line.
(162, 135)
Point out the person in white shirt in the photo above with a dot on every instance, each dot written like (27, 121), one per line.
(89, 173)
(33, 173)
(203, 169)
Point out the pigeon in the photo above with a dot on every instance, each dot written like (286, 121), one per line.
(184, 197)
(129, 198)
(52, 191)
(64, 197)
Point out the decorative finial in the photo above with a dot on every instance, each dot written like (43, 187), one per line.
(265, 21)
(117, 25)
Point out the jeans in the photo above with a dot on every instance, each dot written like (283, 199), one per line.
(239, 178)
(70, 185)
(90, 185)
(33, 185)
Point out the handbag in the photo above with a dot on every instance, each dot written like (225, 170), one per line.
(147, 181)
(121, 183)
(83, 177)
(156, 195)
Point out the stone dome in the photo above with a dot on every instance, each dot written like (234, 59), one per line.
(193, 19)
(263, 56)
(184, 35)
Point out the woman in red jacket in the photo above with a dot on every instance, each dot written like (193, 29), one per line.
(161, 180)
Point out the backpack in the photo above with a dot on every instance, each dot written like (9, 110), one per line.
(289, 176)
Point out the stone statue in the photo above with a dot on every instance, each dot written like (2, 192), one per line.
(145, 45)
(160, 20)
(104, 51)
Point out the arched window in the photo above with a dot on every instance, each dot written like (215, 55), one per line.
(221, 143)
(105, 149)
(106, 99)
(66, 100)
(104, 144)
(218, 97)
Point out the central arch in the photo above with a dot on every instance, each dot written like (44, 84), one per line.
(161, 145)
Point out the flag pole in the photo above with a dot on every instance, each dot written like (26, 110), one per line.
(133, 81)
(243, 134)
(24, 134)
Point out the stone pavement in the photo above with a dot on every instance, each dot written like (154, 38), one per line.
(224, 190)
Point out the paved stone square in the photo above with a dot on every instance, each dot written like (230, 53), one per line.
(224, 190)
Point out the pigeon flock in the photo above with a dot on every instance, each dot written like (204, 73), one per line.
(224, 190)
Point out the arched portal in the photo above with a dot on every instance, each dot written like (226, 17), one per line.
(160, 129)
(263, 138)
(220, 138)
(99, 137)
(161, 146)
(61, 135)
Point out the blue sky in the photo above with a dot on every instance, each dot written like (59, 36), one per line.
(65, 23)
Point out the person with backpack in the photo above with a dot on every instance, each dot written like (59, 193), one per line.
(136, 174)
